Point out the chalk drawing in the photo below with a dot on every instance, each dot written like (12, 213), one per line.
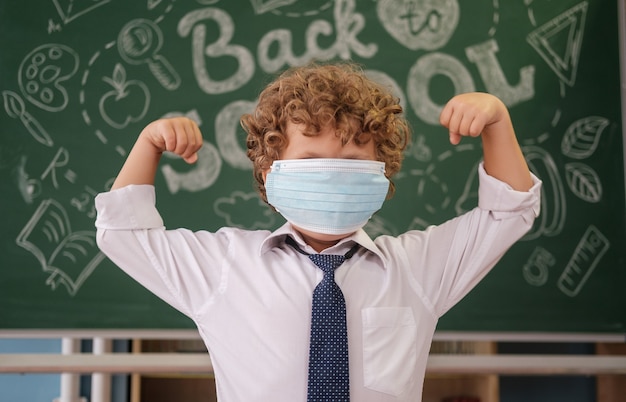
(347, 26)
(190, 24)
(495, 18)
(139, 42)
(53, 26)
(559, 41)
(152, 4)
(29, 188)
(582, 137)
(84, 202)
(419, 150)
(294, 8)
(418, 84)
(69, 10)
(42, 73)
(141, 49)
(126, 102)
(484, 56)
(231, 148)
(419, 24)
(537, 269)
(201, 176)
(244, 210)
(588, 253)
(60, 160)
(15, 108)
(553, 203)
(263, 6)
(69, 257)
(584, 182)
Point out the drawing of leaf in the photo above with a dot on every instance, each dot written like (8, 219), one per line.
(584, 182)
(13, 104)
(119, 74)
(117, 80)
(582, 137)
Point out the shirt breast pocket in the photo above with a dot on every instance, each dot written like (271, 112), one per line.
(389, 348)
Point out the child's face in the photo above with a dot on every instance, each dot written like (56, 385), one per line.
(324, 145)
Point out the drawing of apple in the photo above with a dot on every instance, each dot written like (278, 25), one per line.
(127, 102)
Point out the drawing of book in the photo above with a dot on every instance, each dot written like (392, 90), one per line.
(69, 257)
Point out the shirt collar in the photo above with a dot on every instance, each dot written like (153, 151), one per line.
(277, 238)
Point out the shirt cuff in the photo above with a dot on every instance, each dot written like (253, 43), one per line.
(499, 197)
(128, 208)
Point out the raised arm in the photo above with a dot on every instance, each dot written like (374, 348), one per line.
(179, 135)
(474, 114)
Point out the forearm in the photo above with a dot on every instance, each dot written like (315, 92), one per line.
(503, 158)
(481, 114)
(140, 166)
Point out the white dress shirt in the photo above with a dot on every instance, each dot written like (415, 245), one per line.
(249, 293)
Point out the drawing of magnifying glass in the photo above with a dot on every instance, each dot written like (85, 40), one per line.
(139, 42)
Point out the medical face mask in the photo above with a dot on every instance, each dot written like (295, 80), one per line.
(329, 196)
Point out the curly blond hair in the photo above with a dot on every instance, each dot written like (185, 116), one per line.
(318, 95)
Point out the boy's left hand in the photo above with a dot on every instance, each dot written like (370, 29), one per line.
(469, 114)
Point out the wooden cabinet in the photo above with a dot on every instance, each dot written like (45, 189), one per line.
(471, 387)
(172, 387)
(201, 387)
(176, 388)
(478, 388)
(611, 388)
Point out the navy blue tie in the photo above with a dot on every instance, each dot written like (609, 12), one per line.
(328, 352)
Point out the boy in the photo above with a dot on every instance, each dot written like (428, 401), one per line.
(324, 141)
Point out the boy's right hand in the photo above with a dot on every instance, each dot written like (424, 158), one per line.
(178, 135)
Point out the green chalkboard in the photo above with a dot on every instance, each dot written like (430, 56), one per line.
(80, 79)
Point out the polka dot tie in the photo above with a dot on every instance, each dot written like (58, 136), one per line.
(328, 352)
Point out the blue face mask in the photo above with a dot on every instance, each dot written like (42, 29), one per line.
(329, 196)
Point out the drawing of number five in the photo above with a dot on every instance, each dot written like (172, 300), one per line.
(139, 42)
